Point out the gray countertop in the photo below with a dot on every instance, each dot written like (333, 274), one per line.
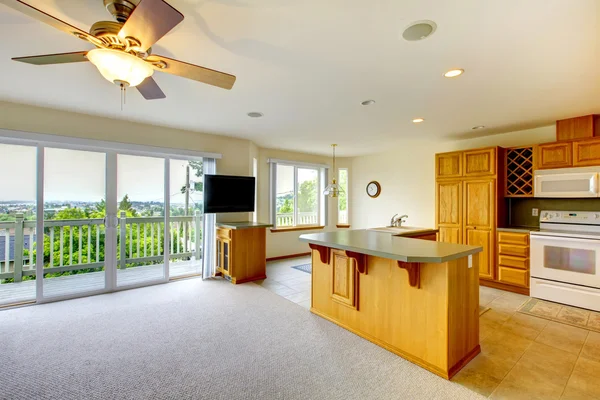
(243, 225)
(394, 247)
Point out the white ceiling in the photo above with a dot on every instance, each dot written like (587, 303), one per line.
(307, 65)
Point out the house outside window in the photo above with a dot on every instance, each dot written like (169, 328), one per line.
(342, 203)
(296, 197)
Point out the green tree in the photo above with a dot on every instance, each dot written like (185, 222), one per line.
(287, 207)
(343, 197)
(307, 196)
(125, 204)
(198, 168)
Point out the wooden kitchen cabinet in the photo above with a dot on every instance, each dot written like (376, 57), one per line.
(241, 254)
(448, 165)
(480, 162)
(467, 207)
(483, 238)
(450, 234)
(584, 127)
(520, 162)
(586, 153)
(479, 212)
(449, 211)
(554, 155)
(344, 278)
(479, 203)
(513, 261)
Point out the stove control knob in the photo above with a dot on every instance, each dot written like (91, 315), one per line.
(596, 216)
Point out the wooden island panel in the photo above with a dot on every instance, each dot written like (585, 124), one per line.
(435, 325)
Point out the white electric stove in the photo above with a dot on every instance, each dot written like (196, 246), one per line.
(565, 258)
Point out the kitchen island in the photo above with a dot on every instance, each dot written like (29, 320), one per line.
(416, 298)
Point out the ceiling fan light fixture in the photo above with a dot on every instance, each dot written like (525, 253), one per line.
(118, 67)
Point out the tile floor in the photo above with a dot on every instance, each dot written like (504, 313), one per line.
(522, 357)
(290, 283)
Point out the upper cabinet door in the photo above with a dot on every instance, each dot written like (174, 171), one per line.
(449, 210)
(554, 155)
(586, 153)
(577, 128)
(480, 162)
(448, 165)
(479, 199)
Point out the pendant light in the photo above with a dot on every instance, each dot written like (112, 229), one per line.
(333, 189)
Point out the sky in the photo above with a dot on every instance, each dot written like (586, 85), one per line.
(285, 178)
(74, 175)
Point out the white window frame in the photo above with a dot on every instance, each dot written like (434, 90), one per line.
(321, 201)
(347, 192)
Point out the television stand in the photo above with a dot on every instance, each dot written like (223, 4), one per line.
(242, 251)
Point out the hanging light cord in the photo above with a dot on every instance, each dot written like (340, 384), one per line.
(333, 145)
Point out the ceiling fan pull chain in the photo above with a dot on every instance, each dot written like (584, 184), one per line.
(122, 88)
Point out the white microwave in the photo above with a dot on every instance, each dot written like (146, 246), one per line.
(566, 183)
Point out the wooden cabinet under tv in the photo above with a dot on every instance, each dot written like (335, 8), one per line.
(241, 253)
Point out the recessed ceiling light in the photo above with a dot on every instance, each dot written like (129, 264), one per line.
(478, 127)
(418, 120)
(255, 114)
(453, 73)
(368, 102)
(419, 30)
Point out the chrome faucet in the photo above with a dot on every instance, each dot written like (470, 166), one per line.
(398, 221)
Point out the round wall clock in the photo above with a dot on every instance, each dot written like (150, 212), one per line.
(373, 189)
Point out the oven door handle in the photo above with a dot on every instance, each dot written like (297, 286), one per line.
(535, 238)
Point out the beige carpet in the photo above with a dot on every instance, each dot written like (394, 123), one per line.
(574, 316)
(198, 340)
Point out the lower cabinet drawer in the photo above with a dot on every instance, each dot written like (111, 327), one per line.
(514, 238)
(513, 276)
(513, 250)
(513, 262)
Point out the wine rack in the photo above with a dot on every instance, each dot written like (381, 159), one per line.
(519, 172)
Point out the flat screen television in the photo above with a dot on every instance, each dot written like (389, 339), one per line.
(227, 194)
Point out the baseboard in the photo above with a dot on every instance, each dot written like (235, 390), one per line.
(466, 359)
(254, 278)
(288, 256)
(503, 286)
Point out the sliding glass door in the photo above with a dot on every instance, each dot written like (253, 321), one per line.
(141, 213)
(75, 245)
(17, 224)
(185, 216)
(107, 221)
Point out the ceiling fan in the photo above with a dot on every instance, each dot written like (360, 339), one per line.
(124, 54)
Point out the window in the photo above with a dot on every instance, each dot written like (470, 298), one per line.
(343, 197)
(296, 195)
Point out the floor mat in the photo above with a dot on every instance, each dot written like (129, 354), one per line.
(574, 316)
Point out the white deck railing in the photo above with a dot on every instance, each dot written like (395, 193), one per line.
(304, 218)
(140, 240)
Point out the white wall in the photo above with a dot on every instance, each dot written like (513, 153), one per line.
(237, 154)
(287, 243)
(406, 174)
(407, 177)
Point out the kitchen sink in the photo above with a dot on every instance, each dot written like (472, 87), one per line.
(394, 229)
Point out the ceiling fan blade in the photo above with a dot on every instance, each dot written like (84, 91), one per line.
(61, 58)
(48, 19)
(191, 71)
(150, 89)
(151, 20)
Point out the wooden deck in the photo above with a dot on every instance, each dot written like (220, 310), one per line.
(72, 284)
